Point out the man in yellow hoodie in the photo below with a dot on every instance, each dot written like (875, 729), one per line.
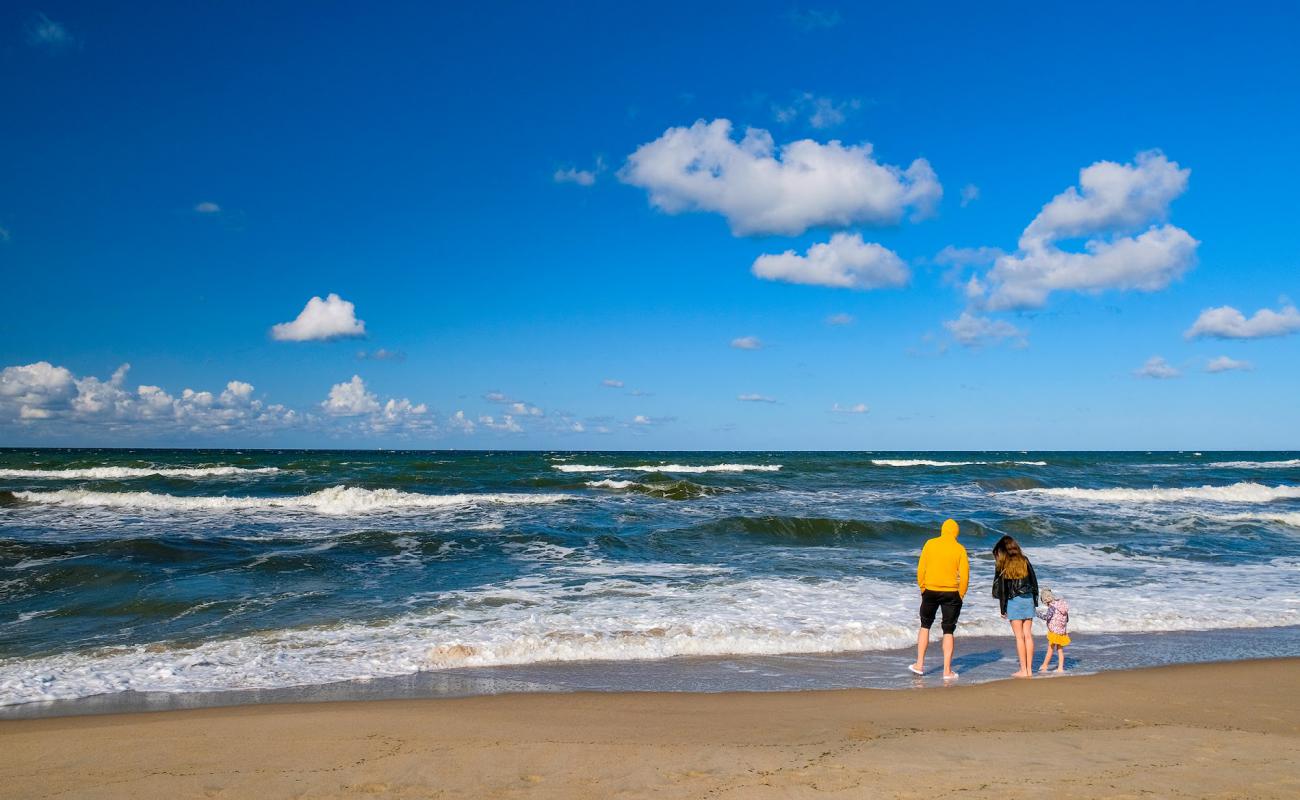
(943, 574)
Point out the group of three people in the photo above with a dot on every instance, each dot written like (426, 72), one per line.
(943, 574)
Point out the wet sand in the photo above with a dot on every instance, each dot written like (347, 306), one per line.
(1202, 730)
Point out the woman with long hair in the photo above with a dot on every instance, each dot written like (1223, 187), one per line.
(1016, 587)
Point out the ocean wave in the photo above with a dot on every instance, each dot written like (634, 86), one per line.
(671, 490)
(593, 609)
(1290, 463)
(1291, 519)
(923, 462)
(1244, 492)
(683, 468)
(337, 500)
(121, 473)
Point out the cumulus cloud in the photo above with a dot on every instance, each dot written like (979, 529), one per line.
(350, 398)
(460, 422)
(969, 194)
(506, 424)
(331, 318)
(1156, 367)
(207, 207)
(42, 392)
(516, 407)
(747, 343)
(1226, 322)
(1110, 205)
(762, 189)
(612, 383)
(840, 319)
(972, 330)
(46, 33)
(845, 262)
(1110, 197)
(754, 398)
(856, 408)
(1225, 364)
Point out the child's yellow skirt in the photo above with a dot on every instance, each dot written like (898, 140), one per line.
(1058, 639)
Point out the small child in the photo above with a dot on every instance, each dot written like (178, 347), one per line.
(1057, 616)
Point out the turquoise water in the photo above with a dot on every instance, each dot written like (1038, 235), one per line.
(193, 571)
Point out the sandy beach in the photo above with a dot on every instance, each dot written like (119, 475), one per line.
(1207, 730)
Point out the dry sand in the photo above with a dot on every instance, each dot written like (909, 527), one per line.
(1209, 730)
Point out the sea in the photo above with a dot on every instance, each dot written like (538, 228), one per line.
(172, 578)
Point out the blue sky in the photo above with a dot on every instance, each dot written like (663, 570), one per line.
(519, 206)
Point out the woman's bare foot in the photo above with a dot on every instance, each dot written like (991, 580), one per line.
(1021, 674)
(1043, 668)
(1060, 669)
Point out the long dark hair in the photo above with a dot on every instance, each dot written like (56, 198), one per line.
(1010, 559)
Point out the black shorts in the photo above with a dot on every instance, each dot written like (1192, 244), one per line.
(932, 601)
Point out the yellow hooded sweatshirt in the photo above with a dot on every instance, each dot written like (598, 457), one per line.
(944, 566)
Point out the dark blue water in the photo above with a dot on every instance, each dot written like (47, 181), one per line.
(203, 570)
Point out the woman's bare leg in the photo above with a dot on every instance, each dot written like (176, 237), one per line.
(1017, 626)
(1027, 631)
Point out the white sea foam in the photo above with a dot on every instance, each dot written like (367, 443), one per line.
(583, 608)
(120, 473)
(1290, 463)
(611, 484)
(923, 462)
(340, 500)
(684, 468)
(1291, 519)
(1244, 492)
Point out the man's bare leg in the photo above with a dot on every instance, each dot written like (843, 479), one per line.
(922, 642)
(947, 656)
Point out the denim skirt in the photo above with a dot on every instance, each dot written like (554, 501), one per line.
(1021, 607)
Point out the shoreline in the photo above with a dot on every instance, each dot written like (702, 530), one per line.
(1204, 730)
(979, 659)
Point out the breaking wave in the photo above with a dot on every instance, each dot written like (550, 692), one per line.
(340, 500)
(1244, 492)
(683, 468)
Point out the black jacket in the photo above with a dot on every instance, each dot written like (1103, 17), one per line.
(1006, 588)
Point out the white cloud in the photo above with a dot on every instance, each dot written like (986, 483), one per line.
(331, 318)
(761, 189)
(1113, 197)
(840, 319)
(207, 207)
(856, 408)
(578, 427)
(523, 409)
(506, 424)
(35, 388)
(460, 422)
(582, 177)
(845, 262)
(350, 398)
(747, 343)
(1225, 364)
(1156, 367)
(969, 194)
(754, 398)
(1111, 203)
(45, 32)
(42, 392)
(641, 419)
(1148, 262)
(1226, 322)
(974, 331)
(612, 383)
